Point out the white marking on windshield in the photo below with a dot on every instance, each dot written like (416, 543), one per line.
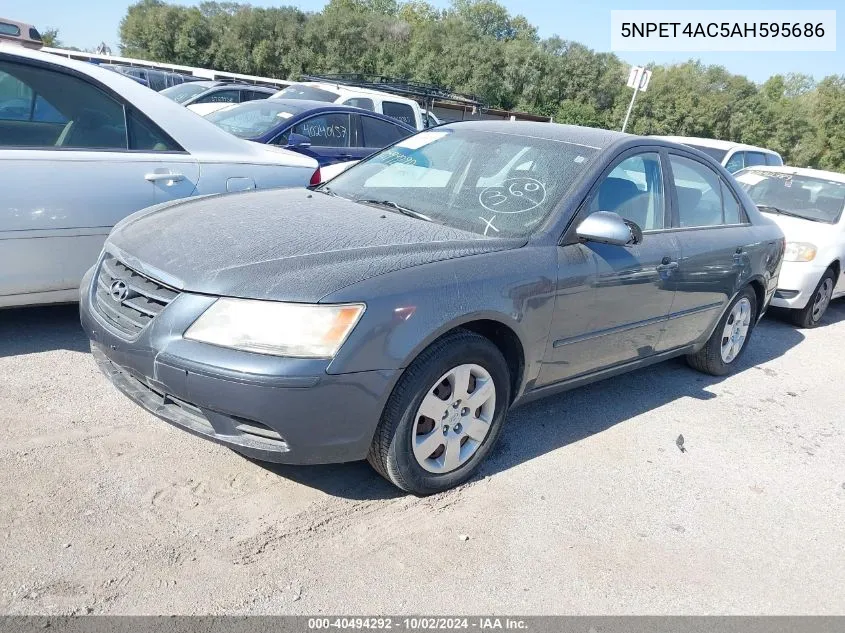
(489, 224)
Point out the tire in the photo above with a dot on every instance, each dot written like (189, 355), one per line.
(433, 375)
(710, 359)
(811, 315)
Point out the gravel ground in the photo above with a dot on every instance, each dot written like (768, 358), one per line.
(586, 507)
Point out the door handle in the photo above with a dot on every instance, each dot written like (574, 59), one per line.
(166, 175)
(667, 264)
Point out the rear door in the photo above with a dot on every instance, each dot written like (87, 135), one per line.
(713, 234)
(69, 179)
(330, 134)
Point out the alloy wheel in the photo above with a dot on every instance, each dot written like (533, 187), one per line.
(454, 418)
(736, 330)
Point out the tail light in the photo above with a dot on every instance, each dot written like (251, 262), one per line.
(316, 178)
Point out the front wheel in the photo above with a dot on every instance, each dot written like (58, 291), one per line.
(730, 337)
(811, 315)
(443, 416)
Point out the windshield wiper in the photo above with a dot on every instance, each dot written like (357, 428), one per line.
(327, 190)
(779, 211)
(396, 207)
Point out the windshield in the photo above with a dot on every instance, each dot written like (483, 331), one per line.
(302, 91)
(254, 118)
(816, 199)
(498, 185)
(183, 92)
(712, 152)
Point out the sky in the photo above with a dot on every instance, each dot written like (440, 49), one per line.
(86, 24)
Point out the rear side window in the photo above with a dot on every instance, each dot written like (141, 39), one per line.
(253, 95)
(400, 111)
(378, 133)
(733, 212)
(774, 160)
(360, 102)
(699, 190)
(58, 110)
(146, 136)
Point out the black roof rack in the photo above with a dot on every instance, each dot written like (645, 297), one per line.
(427, 93)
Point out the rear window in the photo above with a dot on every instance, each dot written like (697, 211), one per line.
(301, 91)
(774, 160)
(401, 111)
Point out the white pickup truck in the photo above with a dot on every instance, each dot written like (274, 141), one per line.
(401, 108)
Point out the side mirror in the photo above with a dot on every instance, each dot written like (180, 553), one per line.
(607, 227)
(298, 141)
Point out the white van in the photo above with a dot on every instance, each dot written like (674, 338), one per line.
(733, 156)
(401, 108)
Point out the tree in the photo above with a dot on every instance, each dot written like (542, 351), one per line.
(477, 46)
(50, 37)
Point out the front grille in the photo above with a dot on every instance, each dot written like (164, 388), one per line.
(127, 299)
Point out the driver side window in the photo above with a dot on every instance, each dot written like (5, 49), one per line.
(634, 190)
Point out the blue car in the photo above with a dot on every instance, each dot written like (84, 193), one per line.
(329, 133)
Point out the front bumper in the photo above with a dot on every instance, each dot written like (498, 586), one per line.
(796, 284)
(272, 409)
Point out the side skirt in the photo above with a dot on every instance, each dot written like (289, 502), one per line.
(601, 374)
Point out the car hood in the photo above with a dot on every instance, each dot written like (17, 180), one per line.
(799, 230)
(284, 245)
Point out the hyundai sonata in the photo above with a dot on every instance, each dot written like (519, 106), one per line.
(397, 312)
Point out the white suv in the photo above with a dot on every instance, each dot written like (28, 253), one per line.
(734, 156)
(406, 110)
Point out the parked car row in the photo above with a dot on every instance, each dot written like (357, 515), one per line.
(396, 312)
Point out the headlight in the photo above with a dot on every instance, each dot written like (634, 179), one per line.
(799, 252)
(275, 328)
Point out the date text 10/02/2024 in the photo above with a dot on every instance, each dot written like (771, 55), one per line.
(418, 623)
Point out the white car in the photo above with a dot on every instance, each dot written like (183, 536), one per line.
(406, 110)
(733, 156)
(82, 147)
(807, 204)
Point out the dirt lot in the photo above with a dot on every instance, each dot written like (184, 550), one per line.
(587, 506)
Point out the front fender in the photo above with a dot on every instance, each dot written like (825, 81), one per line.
(410, 308)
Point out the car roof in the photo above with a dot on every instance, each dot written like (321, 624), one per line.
(714, 143)
(596, 138)
(798, 171)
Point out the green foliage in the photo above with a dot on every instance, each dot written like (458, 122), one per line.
(476, 46)
(50, 37)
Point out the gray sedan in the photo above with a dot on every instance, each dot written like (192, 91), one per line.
(398, 312)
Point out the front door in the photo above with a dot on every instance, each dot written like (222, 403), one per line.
(612, 302)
